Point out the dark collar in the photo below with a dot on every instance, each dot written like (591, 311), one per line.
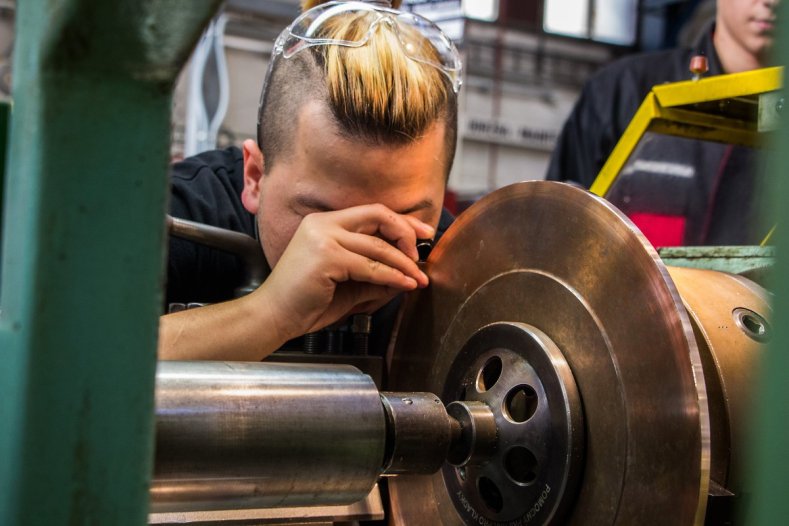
(705, 46)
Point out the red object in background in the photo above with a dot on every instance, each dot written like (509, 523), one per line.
(451, 202)
(660, 230)
(699, 65)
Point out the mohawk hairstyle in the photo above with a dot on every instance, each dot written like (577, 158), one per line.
(375, 93)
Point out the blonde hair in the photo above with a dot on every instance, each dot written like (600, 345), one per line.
(377, 84)
(375, 92)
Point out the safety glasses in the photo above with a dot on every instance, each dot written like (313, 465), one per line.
(420, 39)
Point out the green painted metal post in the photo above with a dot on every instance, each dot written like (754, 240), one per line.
(5, 118)
(83, 243)
(770, 432)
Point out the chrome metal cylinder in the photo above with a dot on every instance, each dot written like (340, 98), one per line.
(242, 435)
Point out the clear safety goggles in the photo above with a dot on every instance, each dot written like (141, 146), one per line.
(421, 40)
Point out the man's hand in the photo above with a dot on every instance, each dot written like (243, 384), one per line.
(336, 264)
(340, 263)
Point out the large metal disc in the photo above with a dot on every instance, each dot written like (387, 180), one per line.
(572, 272)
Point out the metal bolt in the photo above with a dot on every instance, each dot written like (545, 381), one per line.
(698, 66)
(331, 341)
(361, 325)
(312, 343)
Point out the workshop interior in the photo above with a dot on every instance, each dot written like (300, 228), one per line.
(580, 356)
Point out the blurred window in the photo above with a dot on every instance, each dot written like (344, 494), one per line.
(446, 14)
(609, 21)
(487, 10)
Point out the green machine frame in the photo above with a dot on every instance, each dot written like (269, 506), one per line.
(82, 250)
(770, 429)
(82, 247)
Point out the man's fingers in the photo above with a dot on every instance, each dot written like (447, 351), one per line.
(366, 270)
(378, 250)
(401, 230)
(422, 229)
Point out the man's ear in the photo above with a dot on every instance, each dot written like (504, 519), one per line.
(253, 174)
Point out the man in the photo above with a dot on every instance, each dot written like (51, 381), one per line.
(355, 146)
(740, 40)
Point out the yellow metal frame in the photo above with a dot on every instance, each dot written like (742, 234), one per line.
(672, 109)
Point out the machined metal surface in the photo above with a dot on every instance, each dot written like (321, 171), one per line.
(536, 417)
(369, 509)
(730, 317)
(419, 433)
(250, 435)
(569, 265)
(477, 440)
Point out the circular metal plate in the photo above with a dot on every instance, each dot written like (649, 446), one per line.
(569, 264)
(525, 381)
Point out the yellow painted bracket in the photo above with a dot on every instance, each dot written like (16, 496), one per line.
(708, 109)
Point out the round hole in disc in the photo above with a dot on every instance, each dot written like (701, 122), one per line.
(490, 493)
(489, 374)
(753, 324)
(520, 403)
(521, 465)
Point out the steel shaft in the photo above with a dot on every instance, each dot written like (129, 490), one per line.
(260, 435)
(240, 435)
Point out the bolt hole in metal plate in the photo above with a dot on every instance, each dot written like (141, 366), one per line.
(568, 269)
(520, 404)
(489, 374)
(521, 465)
(753, 324)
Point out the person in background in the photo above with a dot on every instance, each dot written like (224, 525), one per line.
(678, 191)
(356, 136)
(740, 40)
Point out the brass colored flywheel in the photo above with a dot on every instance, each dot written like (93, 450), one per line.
(549, 306)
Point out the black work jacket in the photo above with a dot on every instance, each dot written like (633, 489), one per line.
(609, 101)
